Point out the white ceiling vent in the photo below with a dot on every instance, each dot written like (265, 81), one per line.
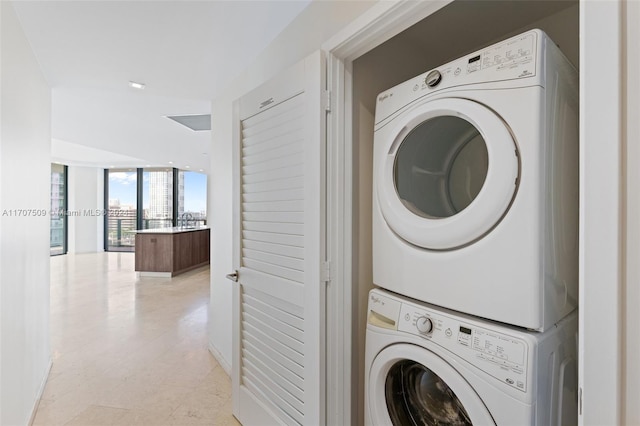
(197, 122)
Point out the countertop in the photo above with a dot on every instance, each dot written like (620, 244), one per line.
(172, 230)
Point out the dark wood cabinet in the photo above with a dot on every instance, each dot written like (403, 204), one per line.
(170, 252)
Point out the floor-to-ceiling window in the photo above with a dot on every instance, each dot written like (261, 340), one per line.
(121, 191)
(151, 198)
(192, 197)
(157, 198)
(58, 236)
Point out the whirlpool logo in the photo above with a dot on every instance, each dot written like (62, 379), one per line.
(376, 300)
(384, 96)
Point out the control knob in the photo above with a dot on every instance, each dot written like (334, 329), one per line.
(424, 325)
(433, 78)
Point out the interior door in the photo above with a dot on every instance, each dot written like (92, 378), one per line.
(279, 244)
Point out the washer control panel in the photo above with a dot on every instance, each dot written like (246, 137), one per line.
(424, 324)
(495, 350)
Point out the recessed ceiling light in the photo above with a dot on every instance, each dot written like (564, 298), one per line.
(187, 167)
(170, 162)
(136, 85)
(201, 170)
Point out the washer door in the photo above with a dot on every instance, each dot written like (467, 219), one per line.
(410, 385)
(449, 175)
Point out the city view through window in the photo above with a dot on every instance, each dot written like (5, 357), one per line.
(158, 197)
(58, 229)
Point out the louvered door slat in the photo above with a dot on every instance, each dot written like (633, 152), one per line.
(270, 164)
(278, 117)
(290, 217)
(283, 261)
(289, 128)
(280, 288)
(273, 386)
(277, 174)
(277, 345)
(281, 228)
(290, 381)
(283, 161)
(278, 271)
(263, 302)
(274, 333)
(269, 145)
(290, 149)
(272, 342)
(274, 238)
(287, 120)
(290, 392)
(295, 370)
(274, 323)
(290, 251)
(279, 365)
(288, 414)
(284, 195)
(273, 185)
(274, 206)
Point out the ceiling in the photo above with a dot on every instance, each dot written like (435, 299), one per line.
(184, 52)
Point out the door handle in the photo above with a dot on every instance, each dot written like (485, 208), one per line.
(233, 276)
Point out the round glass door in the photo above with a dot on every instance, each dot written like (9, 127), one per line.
(447, 173)
(411, 386)
(415, 395)
(440, 167)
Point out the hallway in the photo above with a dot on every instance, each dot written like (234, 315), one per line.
(129, 350)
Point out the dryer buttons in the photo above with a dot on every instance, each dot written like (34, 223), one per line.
(433, 78)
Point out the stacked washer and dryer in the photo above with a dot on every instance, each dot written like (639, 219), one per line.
(475, 242)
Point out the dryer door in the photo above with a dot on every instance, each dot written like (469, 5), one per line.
(410, 385)
(448, 176)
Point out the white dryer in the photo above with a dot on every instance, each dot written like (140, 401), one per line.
(475, 203)
(429, 366)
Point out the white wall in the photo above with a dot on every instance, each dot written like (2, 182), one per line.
(86, 194)
(25, 167)
(631, 295)
(316, 24)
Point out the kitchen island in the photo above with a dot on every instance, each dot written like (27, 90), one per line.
(166, 252)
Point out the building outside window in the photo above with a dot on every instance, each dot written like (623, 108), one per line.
(58, 234)
(121, 218)
(157, 198)
(192, 197)
(151, 198)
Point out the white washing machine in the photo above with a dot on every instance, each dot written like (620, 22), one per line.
(429, 366)
(475, 204)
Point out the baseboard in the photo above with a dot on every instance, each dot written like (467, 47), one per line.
(36, 403)
(218, 356)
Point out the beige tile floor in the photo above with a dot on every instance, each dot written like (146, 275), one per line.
(129, 350)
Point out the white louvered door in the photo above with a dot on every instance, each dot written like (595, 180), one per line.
(279, 240)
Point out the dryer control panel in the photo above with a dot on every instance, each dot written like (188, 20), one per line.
(492, 348)
(512, 63)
